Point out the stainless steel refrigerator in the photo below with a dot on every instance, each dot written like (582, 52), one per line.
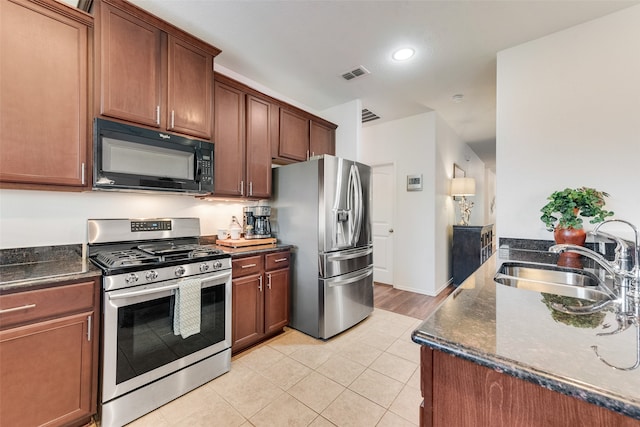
(322, 207)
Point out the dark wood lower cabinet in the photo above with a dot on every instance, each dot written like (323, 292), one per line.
(49, 356)
(260, 307)
(458, 392)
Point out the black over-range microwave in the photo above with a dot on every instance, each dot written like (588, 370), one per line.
(128, 157)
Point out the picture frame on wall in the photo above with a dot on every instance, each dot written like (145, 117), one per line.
(458, 172)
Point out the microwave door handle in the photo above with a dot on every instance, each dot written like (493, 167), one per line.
(198, 165)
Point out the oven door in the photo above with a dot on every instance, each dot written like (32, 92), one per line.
(139, 342)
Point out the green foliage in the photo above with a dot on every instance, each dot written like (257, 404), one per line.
(592, 320)
(565, 208)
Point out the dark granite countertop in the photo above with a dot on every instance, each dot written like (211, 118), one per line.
(22, 269)
(513, 331)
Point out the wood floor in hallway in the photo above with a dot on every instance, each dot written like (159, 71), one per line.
(412, 304)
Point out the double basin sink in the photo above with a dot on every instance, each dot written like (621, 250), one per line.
(568, 282)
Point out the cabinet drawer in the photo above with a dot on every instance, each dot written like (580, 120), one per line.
(277, 260)
(249, 265)
(30, 306)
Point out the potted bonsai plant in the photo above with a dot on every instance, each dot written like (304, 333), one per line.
(564, 213)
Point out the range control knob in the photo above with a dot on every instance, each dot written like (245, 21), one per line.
(204, 267)
(131, 278)
(151, 275)
(179, 271)
(217, 265)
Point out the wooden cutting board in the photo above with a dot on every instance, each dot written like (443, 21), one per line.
(241, 243)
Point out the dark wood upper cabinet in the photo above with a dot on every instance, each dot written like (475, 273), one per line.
(45, 51)
(130, 83)
(190, 77)
(151, 73)
(294, 135)
(243, 141)
(302, 135)
(258, 151)
(322, 139)
(229, 140)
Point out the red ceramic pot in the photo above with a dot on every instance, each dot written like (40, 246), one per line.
(572, 236)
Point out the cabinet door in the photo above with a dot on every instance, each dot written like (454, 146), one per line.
(322, 139)
(46, 373)
(189, 89)
(276, 300)
(229, 141)
(130, 68)
(43, 94)
(247, 311)
(258, 147)
(294, 135)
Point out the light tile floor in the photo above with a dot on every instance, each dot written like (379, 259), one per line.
(366, 376)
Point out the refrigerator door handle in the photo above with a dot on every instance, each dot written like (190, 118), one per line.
(345, 256)
(350, 208)
(357, 204)
(357, 278)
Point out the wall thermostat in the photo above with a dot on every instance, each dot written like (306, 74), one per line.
(414, 182)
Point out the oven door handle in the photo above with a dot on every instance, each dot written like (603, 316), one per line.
(176, 285)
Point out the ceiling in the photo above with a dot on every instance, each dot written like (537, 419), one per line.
(301, 48)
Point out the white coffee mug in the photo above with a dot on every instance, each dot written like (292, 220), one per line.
(222, 234)
(235, 234)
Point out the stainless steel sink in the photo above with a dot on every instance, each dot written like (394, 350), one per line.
(553, 280)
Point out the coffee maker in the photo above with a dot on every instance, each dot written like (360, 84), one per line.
(256, 222)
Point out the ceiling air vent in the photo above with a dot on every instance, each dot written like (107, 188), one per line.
(356, 72)
(368, 116)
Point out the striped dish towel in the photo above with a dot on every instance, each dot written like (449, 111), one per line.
(186, 313)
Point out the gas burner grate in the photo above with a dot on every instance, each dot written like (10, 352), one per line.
(201, 251)
(125, 258)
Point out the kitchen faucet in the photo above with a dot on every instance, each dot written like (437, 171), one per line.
(620, 268)
(626, 281)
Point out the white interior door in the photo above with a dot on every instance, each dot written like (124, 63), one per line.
(383, 183)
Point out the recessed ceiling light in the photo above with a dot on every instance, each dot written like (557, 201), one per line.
(403, 54)
(457, 98)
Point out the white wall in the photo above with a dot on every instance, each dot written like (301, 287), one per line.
(568, 116)
(42, 218)
(421, 144)
(348, 117)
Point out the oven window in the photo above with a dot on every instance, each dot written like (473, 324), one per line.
(145, 333)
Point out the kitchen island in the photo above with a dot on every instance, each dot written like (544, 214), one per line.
(497, 355)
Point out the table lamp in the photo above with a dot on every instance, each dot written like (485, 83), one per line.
(462, 187)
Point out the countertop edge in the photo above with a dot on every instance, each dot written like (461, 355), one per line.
(48, 281)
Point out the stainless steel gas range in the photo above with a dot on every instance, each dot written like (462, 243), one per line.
(166, 312)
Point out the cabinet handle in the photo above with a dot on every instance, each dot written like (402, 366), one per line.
(248, 265)
(280, 260)
(173, 119)
(83, 171)
(158, 115)
(89, 319)
(242, 188)
(307, 154)
(260, 283)
(269, 280)
(251, 188)
(11, 310)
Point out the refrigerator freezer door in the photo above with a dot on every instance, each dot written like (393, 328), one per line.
(348, 299)
(342, 262)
